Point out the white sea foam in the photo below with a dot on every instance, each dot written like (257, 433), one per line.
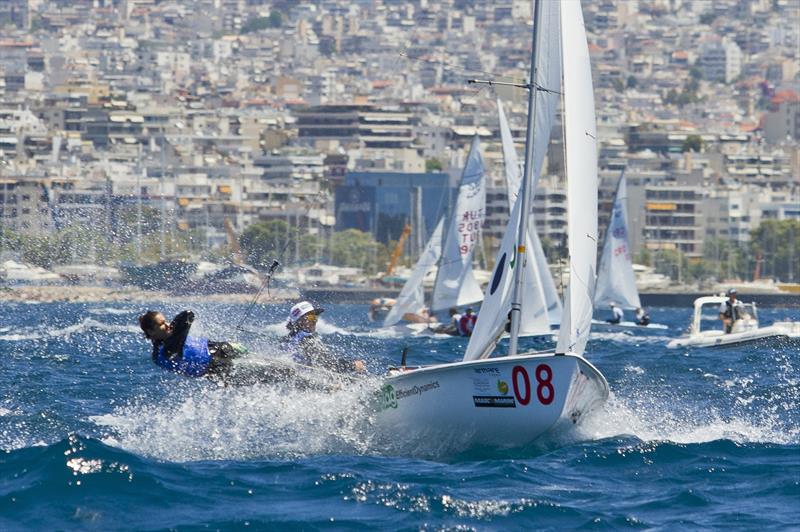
(198, 421)
(109, 310)
(664, 419)
(87, 324)
(625, 337)
(323, 327)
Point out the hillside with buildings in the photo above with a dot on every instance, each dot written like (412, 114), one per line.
(143, 130)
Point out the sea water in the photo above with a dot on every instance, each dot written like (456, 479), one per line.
(94, 436)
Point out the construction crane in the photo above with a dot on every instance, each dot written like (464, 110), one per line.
(398, 249)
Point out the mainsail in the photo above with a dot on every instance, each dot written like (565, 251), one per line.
(616, 282)
(545, 110)
(581, 163)
(537, 296)
(455, 283)
(412, 296)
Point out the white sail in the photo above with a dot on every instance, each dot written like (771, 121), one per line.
(412, 296)
(616, 282)
(455, 283)
(581, 163)
(545, 112)
(551, 297)
(497, 300)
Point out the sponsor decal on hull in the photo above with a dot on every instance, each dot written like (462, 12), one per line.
(493, 401)
(388, 395)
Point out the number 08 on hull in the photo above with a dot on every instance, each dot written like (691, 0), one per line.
(499, 402)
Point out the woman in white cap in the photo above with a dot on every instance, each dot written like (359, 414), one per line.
(307, 347)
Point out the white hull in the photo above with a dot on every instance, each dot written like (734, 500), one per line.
(628, 325)
(415, 329)
(720, 339)
(501, 402)
(745, 328)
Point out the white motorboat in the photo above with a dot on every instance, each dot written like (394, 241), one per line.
(514, 400)
(745, 328)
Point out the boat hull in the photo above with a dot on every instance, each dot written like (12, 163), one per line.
(720, 339)
(627, 325)
(501, 402)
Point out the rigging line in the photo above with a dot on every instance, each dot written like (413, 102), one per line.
(265, 284)
(456, 69)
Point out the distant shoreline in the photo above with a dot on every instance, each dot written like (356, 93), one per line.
(649, 299)
(93, 294)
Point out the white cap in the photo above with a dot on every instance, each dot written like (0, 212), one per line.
(301, 309)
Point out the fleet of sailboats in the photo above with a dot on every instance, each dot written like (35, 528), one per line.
(450, 250)
(515, 399)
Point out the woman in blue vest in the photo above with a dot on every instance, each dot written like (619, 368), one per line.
(174, 350)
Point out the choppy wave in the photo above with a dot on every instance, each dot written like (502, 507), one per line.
(80, 482)
(241, 423)
(43, 331)
(95, 436)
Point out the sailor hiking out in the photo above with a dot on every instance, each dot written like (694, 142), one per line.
(306, 346)
(174, 350)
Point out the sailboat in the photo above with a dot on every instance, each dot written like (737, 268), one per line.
(514, 400)
(450, 252)
(616, 282)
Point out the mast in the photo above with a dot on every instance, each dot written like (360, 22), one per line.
(525, 194)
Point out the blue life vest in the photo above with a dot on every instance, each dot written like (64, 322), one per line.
(194, 362)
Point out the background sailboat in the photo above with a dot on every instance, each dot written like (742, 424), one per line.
(616, 281)
(515, 399)
(451, 253)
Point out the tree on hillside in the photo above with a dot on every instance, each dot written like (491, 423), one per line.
(358, 249)
(692, 143)
(433, 165)
(777, 244)
(266, 241)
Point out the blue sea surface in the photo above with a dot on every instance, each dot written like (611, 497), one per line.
(93, 436)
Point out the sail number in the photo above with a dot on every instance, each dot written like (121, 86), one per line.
(544, 389)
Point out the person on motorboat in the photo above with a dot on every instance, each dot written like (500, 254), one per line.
(731, 310)
(466, 323)
(174, 350)
(616, 314)
(642, 317)
(306, 345)
(450, 328)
